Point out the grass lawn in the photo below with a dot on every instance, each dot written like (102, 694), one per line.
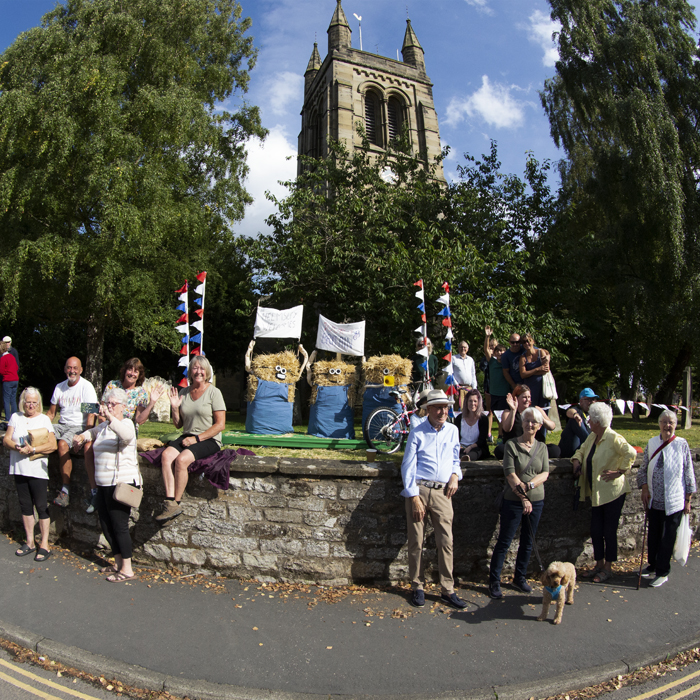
(637, 433)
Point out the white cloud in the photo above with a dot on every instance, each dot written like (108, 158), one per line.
(539, 30)
(493, 103)
(282, 90)
(268, 165)
(481, 5)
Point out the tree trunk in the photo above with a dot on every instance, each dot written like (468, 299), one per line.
(95, 350)
(664, 394)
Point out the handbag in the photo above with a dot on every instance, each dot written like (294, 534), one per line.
(549, 387)
(36, 438)
(681, 549)
(127, 494)
(498, 502)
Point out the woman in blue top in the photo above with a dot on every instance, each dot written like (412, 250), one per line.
(534, 364)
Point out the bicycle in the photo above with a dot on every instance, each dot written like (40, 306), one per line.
(385, 429)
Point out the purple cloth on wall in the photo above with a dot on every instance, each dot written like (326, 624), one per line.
(216, 467)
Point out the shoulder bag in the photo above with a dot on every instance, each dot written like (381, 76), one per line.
(127, 494)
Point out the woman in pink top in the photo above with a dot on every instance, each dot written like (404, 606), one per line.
(9, 372)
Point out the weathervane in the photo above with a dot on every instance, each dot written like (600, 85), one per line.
(359, 21)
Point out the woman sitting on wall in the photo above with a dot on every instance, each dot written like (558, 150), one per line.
(200, 411)
(473, 427)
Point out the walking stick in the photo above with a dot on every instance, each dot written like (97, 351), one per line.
(644, 538)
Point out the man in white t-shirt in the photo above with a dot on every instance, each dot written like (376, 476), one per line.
(67, 398)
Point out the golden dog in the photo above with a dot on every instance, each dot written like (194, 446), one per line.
(559, 581)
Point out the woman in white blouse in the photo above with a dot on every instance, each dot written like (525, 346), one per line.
(116, 461)
(30, 467)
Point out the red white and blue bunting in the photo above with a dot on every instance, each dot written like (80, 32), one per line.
(183, 327)
(198, 325)
(450, 388)
(422, 329)
(184, 324)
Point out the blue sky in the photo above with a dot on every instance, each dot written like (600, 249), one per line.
(487, 60)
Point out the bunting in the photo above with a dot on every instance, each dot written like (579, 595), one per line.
(422, 329)
(629, 405)
(199, 325)
(450, 387)
(184, 328)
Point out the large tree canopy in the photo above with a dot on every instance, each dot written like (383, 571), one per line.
(120, 172)
(625, 105)
(358, 230)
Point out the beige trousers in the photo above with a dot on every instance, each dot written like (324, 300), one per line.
(439, 508)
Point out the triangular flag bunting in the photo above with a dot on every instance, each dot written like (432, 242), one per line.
(419, 283)
(183, 350)
(201, 276)
(182, 289)
(447, 322)
(196, 338)
(444, 299)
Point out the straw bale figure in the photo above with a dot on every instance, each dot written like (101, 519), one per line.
(334, 386)
(383, 374)
(271, 387)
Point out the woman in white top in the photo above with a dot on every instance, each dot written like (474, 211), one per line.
(116, 461)
(31, 471)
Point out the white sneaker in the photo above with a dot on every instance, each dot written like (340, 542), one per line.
(648, 573)
(658, 581)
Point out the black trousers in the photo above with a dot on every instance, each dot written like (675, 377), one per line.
(662, 538)
(114, 520)
(31, 492)
(604, 522)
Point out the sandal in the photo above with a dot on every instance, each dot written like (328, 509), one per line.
(602, 576)
(591, 572)
(42, 554)
(24, 550)
(119, 577)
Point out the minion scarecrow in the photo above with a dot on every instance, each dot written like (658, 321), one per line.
(382, 375)
(333, 395)
(270, 395)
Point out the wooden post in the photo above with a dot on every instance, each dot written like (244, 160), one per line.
(554, 414)
(687, 397)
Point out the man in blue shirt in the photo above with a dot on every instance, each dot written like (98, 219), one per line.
(431, 472)
(510, 361)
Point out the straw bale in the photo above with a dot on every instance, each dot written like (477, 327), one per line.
(263, 366)
(161, 409)
(398, 366)
(314, 394)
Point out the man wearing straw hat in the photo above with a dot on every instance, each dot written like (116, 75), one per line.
(430, 471)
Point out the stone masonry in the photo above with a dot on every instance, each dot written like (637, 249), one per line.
(330, 522)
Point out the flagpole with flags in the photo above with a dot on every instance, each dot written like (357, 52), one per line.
(199, 324)
(450, 388)
(423, 329)
(183, 327)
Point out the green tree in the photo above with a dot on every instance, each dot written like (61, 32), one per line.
(120, 172)
(357, 231)
(625, 106)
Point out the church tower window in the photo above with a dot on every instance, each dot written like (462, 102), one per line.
(394, 117)
(372, 118)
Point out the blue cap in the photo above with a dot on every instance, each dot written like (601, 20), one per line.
(588, 394)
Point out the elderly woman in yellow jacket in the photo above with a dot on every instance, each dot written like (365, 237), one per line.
(602, 464)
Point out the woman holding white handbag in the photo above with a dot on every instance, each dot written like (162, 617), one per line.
(116, 463)
(667, 480)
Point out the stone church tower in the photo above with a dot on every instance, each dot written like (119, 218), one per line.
(351, 86)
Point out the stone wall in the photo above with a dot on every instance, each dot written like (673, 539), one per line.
(330, 522)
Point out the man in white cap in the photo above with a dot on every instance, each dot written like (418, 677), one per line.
(10, 349)
(430, 471)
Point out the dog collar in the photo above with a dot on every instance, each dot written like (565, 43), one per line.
(554, 592)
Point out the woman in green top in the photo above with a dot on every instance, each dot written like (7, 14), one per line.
(526, 466)
(200, 411)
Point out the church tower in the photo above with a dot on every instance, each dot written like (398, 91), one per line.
(384, 94)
